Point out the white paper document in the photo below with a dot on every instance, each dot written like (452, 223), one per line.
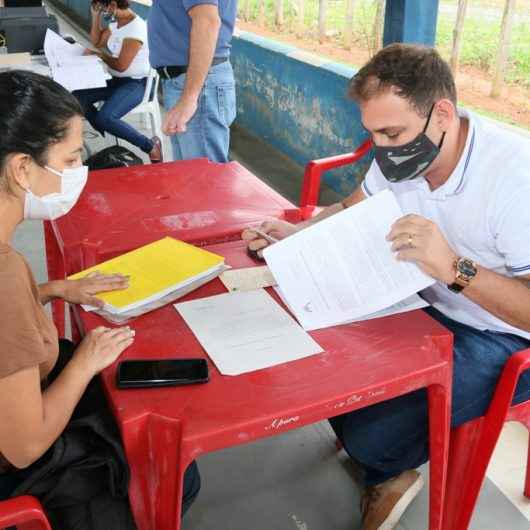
(60, 52)
(246, 331)
(69, 67)
(409, 304)
(342, 268)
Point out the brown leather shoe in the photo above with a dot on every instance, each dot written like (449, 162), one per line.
(383, 505)
(156, 153)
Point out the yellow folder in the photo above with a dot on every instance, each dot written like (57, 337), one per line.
(155, 269)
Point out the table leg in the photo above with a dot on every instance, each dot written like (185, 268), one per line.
(439, 428)
(75, 327)
(55, 265)
(462, 447)
(157, 471)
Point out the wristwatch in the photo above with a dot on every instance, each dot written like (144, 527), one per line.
(465, 271)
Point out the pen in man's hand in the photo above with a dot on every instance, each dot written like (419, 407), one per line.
(265, 236)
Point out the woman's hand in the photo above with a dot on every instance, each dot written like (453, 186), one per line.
(88, 51)
(83, 291)
(102, 346)
(95, 8)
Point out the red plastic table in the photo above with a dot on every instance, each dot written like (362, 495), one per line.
(165, 429)
(121, 209)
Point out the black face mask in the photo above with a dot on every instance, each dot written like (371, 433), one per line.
(405, 162)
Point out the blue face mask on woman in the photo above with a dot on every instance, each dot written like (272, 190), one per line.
(408, 161)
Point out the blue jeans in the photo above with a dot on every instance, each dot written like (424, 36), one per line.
(208, 132)
(390, 437)
(120, 95)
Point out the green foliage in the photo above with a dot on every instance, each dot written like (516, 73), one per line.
(479, 41)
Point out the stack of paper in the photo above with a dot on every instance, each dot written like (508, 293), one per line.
(342, 269)
(69, 67)
(159, 273)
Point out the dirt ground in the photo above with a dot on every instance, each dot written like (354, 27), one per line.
(473, 84)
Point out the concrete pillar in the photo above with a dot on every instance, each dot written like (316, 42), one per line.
(410, 21)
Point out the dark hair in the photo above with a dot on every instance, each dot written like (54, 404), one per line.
(34, 114)
(417, 73)
(122, 4)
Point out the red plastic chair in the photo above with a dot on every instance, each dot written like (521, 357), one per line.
(25, 512)
(314, 170)
(472, 445)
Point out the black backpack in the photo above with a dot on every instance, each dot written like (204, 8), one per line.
(113, 156)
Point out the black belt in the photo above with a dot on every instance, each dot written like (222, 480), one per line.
(168, 72)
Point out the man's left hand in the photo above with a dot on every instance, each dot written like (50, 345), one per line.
(177, 118)
(83, 291)
(419, 240)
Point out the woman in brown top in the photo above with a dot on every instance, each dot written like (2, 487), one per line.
(41, 177)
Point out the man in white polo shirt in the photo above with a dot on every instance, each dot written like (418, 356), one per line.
(464, 185)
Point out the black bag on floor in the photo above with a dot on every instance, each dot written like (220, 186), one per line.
(113, 156)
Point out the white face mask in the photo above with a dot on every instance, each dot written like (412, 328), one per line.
(54, 205)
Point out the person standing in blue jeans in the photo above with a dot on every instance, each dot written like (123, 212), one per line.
(463, 185)
(189, 45)
(128, 62)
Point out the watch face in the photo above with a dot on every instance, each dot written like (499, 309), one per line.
(467, 268)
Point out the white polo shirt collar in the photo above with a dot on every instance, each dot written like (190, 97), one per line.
(456, 182)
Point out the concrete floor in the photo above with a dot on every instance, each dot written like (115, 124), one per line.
(298, 481)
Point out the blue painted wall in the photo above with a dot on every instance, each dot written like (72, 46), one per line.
(298, 103)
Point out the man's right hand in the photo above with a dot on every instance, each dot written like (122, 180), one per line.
(176, 120)
(276, 229)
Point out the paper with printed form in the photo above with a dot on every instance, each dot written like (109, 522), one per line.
(342, 268)
(246, 331)
(69, 67)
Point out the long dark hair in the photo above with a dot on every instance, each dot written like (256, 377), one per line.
(34, 114)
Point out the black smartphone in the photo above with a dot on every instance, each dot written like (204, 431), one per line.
(161, 372)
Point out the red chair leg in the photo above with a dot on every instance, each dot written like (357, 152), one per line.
(527, 480)
(465, 483)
